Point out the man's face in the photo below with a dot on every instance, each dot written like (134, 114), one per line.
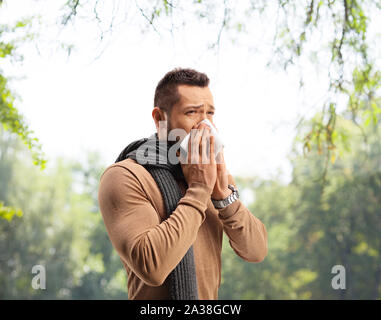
(196, 104)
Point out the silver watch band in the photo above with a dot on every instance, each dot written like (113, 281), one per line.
(220, 204)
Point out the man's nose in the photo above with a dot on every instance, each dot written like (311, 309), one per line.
(203, 116)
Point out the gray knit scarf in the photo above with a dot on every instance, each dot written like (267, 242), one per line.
(182, 279)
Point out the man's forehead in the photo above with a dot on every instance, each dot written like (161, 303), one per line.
(195, 94)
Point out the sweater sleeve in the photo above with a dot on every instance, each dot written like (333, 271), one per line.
(150, 248)
(247, 234)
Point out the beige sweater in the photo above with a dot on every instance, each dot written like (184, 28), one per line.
(150, 247)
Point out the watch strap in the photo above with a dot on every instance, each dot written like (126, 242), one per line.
(220, 204)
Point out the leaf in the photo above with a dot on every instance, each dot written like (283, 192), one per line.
(333, 158)
(7, 213)
(367, 121)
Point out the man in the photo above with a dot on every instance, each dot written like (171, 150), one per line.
(165, 220)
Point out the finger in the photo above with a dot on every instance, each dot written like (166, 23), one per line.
(223, 158)
(203, 145)
(189, 153)
(190, 147)
(205, 157)
(212, 160)
(220, 160)
(189, 156)
(205, 130)
(195, 141)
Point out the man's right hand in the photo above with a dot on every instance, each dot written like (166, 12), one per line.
(201, 166)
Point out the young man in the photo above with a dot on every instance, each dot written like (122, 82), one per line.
(164, 219)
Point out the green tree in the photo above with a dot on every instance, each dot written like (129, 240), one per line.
(62, 229)
(340, 224)
(10, 118)
(312, 227)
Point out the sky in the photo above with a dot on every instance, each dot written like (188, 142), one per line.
(102, 102)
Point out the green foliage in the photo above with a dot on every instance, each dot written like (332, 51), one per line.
(62, 230)
(312, 223)
(10, 118)
(13, 121)
(352, 69)
(7, 213)
(311, 228)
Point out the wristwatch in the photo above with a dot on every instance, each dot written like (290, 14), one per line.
(220, 204)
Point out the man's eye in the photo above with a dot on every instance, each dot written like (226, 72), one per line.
(211, 112)
(190, 111)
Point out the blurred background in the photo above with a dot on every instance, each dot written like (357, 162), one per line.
(296, 86)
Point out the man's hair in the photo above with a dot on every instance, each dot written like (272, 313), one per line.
(166, 93)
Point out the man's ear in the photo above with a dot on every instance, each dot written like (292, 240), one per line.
(161, 122)
(158, 115)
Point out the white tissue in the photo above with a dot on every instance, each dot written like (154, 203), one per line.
(218, 144)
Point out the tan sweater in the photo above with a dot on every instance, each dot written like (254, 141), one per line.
(150, 247)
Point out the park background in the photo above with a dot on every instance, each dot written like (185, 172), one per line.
(296, 86)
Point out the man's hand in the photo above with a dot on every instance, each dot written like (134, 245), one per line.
(201, 165)
(221, 190)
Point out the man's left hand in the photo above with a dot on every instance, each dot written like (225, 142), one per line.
(221, 190)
